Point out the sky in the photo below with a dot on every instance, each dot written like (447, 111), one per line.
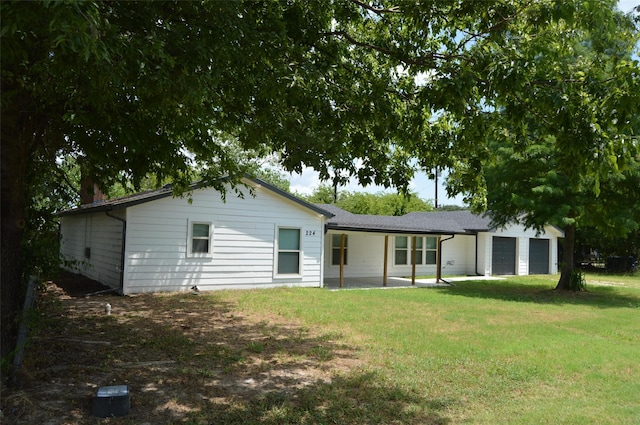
(308, 180)
(627, 5)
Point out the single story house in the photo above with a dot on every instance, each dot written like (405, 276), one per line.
(153, 241)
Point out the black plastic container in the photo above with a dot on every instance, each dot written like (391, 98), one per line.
(113, 401)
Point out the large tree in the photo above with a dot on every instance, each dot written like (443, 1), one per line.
(130, 89)
(563, 131)
(350, 88)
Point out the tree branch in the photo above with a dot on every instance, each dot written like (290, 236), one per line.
(430, 59)
(553, 83)
(504, 20)
(377, 11)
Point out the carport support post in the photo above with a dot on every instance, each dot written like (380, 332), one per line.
(413, 260)
(343, 237)
(438, 261)
(386, 257)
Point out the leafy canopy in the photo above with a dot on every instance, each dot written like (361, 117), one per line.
(345, 87)
(563, 130)
(559, 106)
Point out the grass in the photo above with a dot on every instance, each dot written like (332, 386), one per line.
(512, 351)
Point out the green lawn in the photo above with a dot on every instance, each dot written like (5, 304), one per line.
(482, 352)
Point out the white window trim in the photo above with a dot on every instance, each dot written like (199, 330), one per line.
(191, 254)
(276, 252)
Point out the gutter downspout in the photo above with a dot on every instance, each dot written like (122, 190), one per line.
(476, 265)
(439, 267)
(122, 249)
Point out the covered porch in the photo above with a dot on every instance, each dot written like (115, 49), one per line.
(394, 251)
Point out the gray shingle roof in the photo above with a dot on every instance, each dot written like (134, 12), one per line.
(440, 222)
(468, 220)
(122, 202)
(166, 191)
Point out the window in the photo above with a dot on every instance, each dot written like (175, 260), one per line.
(289, 252)
(401, 255)
(419, 250)
(426, 250)
(336, 241)
(431, 250)
(199, 244)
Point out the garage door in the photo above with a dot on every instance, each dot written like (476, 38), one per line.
(538, 256)
(504, 256)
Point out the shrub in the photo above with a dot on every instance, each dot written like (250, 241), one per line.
(577, 281)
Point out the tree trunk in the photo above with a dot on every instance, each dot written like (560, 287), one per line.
(13, 289)
(568, 258)
(16, 144)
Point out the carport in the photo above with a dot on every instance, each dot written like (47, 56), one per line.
(417, 230)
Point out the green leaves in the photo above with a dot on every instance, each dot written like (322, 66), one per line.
(559, 120)
(348, 88)
(392, 204)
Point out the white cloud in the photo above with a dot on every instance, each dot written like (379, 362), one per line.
(304, 183)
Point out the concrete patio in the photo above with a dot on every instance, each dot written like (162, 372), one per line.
(397, 282)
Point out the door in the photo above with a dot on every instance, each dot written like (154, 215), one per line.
(503, 261)
(538, 256)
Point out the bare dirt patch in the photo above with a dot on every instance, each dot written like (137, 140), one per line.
(605, 283)
(186, 359)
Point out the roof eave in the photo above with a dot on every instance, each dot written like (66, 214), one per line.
(331, 226)
(86, 209)
(261, 183)
(100, 207)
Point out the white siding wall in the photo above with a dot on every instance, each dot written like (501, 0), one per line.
(484, 253)
(73, 240)
(522, 255)
(458, 255)
(243, 253)
(365, 255)
(553, 256)
(103, 236)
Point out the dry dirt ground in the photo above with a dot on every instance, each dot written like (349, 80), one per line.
(186, 359)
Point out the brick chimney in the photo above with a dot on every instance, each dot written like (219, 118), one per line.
(90, 193)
